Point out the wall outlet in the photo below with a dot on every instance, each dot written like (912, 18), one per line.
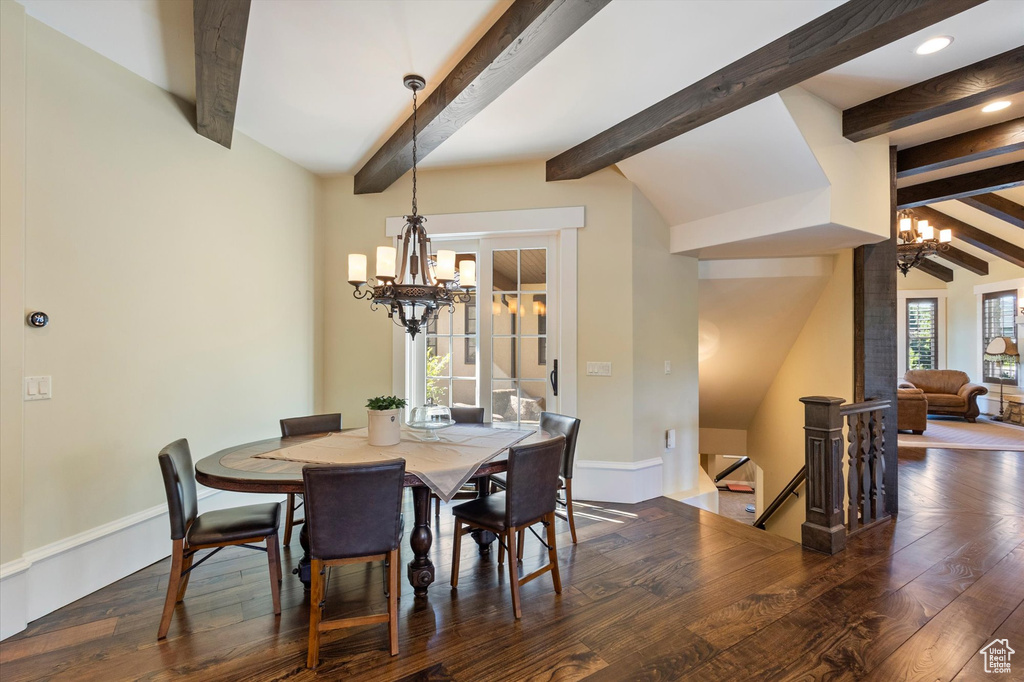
(668, 367)
(670, 439)
(38, 388)
(599, 369)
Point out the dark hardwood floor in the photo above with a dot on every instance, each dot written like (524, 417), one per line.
(655, 591)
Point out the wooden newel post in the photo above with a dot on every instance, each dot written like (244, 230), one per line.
(825, 527)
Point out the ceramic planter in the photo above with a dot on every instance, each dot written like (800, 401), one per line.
(384, 426)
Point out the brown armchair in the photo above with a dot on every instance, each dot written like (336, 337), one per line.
(948, 391)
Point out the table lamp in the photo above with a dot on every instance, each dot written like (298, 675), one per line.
(1002, 349)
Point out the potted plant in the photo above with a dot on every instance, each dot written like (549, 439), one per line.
(384, 422)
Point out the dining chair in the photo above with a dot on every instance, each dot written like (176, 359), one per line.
(353, 515)
(557, 424)
(303, 426)
(462, 415)
(191, 531)
(529, 498)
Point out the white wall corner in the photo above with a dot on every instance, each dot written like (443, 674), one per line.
(625, 482)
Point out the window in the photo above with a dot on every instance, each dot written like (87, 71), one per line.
(997, 313)
(922, 333)
(450, 363)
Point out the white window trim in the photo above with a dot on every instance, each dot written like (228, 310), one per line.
(979, 291)
(901, 324)
(563, 221)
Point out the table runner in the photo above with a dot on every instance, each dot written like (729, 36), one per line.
(443, 465)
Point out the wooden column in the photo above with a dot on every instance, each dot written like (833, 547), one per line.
(825, 527)
(874, 331)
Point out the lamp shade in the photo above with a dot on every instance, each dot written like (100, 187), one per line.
(1002, 345)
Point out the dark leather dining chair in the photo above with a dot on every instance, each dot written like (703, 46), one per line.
(558, 424)
(191, 531)
(462, 415)
(303, 426)
(532, 484)
(353, 515)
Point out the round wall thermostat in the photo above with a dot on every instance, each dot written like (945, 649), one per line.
(38, 319)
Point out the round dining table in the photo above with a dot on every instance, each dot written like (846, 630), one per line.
(239, 469)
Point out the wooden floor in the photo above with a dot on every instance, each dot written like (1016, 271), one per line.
(655, 591)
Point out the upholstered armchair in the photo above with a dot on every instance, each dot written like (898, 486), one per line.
(948, 391)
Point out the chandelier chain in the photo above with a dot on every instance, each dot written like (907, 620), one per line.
(414, 210)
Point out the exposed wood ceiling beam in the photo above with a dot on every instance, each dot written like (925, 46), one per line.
(960, 186)
(526, 33)
(220, 27)
(935, 270)
(998, 207)
(945, 94)
(965, 260)
(847, 32)
(973, 236)
(1001, 138)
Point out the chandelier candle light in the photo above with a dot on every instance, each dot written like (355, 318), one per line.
(411, 285)
(917, 240)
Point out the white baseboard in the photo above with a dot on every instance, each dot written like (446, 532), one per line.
(52, 576)
(628, 482)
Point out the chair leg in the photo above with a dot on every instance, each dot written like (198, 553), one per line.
(289, 519)
(513, 572)
(316, 597)
(553, 554)
(520, 543)
(177, 559)
(501, 551)
(568, 509)
(393, 603)
(456, 552)
(186, 564)
(274, 563)
(437, 505)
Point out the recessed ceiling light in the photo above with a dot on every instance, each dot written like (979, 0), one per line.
(933, 45)
(995, 106)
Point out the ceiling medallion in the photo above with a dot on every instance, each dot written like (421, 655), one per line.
(423, 284)
(917, 240)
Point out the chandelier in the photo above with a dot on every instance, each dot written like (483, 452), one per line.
(422, 284)
(917, 241)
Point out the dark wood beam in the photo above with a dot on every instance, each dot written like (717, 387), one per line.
(930, 267)
(960, 186)
(954, 91)
(998, 207)
(847, 32)
(220, 27)
(973, 236)
(1001, 138)
(526, 33)
(965, 260)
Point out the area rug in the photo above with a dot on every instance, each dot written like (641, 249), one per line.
(983, 435)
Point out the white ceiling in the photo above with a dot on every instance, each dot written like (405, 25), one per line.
(321, 81)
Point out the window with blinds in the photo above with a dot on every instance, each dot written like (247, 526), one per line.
(997, 313)
(922, 333)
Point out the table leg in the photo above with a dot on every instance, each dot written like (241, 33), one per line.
(421, 570)
(483, 538)
(302, 570)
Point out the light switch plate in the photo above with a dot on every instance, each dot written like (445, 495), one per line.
(599, 369)
(38, 388)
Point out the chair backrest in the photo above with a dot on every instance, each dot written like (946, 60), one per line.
(353, 510)
(468, 415)
(561, 425)
(532, 480)
(180, 485)
(317, 423)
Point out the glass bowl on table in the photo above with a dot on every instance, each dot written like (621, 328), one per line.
(430, 418)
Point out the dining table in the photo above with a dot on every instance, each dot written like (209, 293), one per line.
(267, 466)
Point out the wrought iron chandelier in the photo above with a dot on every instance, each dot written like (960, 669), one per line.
(422, 285)
(917, 240)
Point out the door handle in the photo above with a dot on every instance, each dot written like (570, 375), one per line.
(554, 377)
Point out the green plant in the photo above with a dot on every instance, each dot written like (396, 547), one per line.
(436, 365)
(386, 402)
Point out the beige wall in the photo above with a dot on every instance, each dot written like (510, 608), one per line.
(664, 329)
(819, 363)
(12, 264)
(358, 341)
(179, 278)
